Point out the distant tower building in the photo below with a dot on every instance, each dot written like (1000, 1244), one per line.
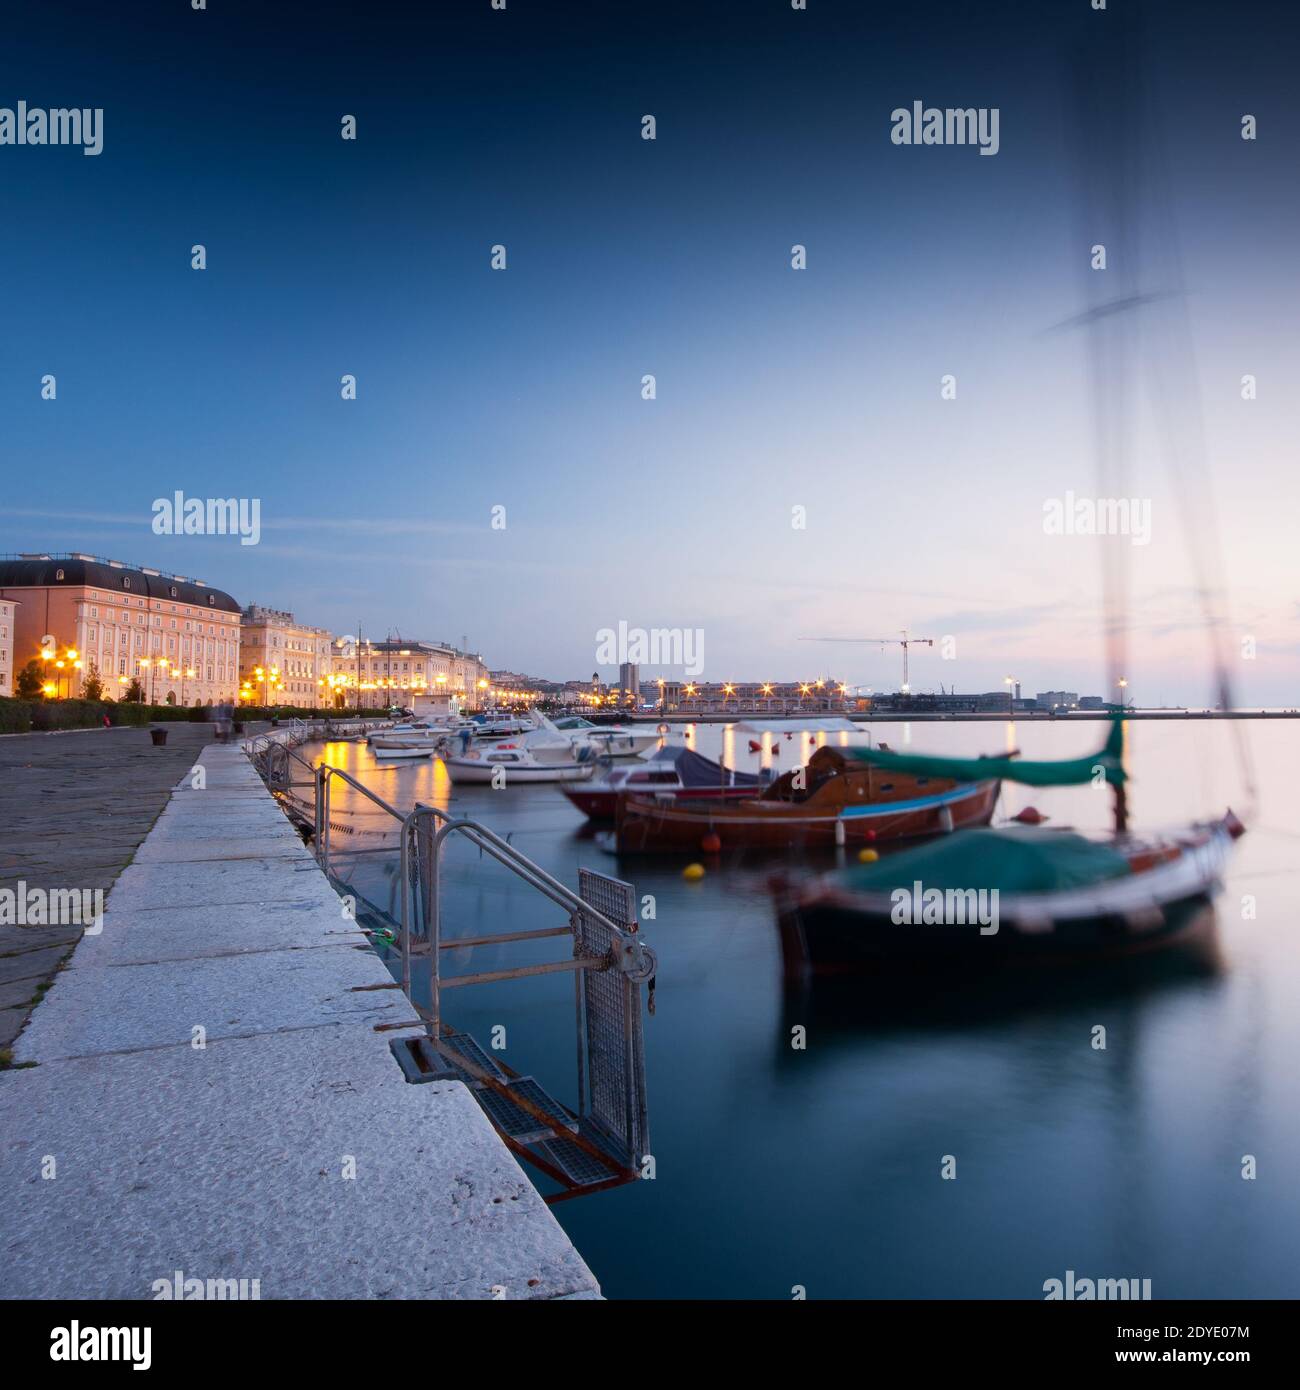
(629, 680)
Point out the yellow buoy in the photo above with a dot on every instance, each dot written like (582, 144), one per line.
(868, 856)
(693, 872)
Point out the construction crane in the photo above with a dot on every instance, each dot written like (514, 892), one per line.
(905, 641)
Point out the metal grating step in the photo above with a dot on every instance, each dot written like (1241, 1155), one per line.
(581, 1169)
(513, 1120)
(464, 1045)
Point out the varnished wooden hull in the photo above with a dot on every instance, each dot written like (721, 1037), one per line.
(645, 826)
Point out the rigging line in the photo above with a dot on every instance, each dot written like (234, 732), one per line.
(1188, 466)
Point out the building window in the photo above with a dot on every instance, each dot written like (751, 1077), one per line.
(126, 581)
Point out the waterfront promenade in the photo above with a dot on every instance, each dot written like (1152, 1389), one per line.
(74, 807)
(205, 1088)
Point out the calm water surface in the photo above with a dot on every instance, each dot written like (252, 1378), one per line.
(821, 1167)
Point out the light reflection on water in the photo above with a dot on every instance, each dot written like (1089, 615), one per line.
(821, 1167)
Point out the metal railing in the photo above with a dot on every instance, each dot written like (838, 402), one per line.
(605, 1139)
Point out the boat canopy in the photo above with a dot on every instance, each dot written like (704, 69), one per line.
(831, 724)
(695, 770)
(1019, 860)
(1065, 772)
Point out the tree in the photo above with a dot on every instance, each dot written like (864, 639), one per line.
(30, 680)
(135, 692)
(92, 687)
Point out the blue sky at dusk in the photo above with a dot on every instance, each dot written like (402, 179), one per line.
(522, 388)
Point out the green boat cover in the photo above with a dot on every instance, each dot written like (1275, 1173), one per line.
(1018, 860)
(1067, 772)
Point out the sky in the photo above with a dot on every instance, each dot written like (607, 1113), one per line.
(776, 389)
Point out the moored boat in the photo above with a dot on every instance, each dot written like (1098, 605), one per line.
(673, 772)
(511, 764)
(994, 898)
(611, 740)
(834, 800)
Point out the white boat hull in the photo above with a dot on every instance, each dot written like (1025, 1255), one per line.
(474, 771)
(404, 752)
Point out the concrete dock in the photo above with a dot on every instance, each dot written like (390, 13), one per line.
(210, 1095)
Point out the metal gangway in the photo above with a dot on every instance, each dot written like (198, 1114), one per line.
(603, 1139)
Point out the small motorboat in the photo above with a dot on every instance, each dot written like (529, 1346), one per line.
(671, 772)
(403, 735)
(611, 740)
(509, 764)
(992, 898)
(501, 726)
(386, 752)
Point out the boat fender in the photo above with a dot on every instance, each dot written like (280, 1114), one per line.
(711, 843)
(693, 872)
(755, 746)
(945, 819)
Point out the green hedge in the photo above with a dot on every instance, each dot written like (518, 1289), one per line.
(25, 716)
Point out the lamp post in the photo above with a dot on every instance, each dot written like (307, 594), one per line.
(1009, 682)
(186, 671)
(1123, 686)
(144, 663)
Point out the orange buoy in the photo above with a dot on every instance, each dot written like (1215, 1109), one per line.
(692, 872)
(868, 856)
(711, 843)
(1031, 815)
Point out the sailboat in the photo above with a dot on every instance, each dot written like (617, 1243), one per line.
(984, 897)
(989, 897)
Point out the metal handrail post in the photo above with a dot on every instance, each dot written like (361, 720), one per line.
(406, 908)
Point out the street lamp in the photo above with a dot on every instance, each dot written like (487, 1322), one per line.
(1123, 686)
(143, 661)
(1009, 682)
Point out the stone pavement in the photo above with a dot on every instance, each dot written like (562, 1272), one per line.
(73, 808)
(210, 1094)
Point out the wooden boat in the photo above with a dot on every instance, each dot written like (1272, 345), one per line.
(1023, 897)
(835, 800)
(679, 773)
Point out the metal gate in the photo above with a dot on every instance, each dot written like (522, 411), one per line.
(613, 1096)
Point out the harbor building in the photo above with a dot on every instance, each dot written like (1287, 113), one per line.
(7, 619)
(401, 671)
(83, 616)
(283, 661)
(1057, 699)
